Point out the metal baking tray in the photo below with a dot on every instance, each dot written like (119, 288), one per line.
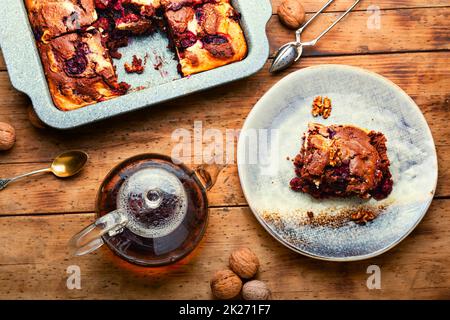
(27, 75)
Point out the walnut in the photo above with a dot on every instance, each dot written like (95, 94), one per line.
(225, 284)
(135, 66)
(244, 262)
(321, 107)
(34, 119)
(256, 290)
(317, 106)
(326, 108)
(363, 216)
(291, 13)
(7, 136)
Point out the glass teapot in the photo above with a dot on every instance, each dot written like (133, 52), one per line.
(150, 211)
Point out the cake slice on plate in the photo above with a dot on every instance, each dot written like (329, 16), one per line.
(342, 161)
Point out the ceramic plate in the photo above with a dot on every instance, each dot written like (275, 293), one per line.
(272, 136)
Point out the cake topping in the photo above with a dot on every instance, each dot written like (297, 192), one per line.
(321, 107)
(179, 19)
(135, 67)
(186, 40)
(218, 46)
(210, 19)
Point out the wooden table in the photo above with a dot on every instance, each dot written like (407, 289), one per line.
(38, 216)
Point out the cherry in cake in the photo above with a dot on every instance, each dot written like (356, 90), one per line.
(177, 4)
(342, 161)
(78, 70)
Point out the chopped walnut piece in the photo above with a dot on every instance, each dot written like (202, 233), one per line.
(326, 108)
(317, 106)
(321, 107)
(363, 216)
(135, 67)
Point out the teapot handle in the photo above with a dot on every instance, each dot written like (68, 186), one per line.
(207, 174)
(90, 238)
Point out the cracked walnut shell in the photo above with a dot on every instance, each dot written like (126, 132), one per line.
(244, 262)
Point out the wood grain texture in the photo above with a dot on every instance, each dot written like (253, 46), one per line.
(354, 35)
(411, 48)
(342, 5)
(423, 75)
(34, 259)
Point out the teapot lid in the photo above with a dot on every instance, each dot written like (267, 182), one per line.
(155, 201)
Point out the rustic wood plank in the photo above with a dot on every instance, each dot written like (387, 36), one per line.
(354, 34)
(418, 268)
(423, 75)
(34, 259)
(2, 61)
(47, 194)
(342, 5)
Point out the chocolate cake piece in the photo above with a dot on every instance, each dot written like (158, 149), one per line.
(342, 161)
(52, 18)
(134, 24)
(79, 71)
(147, 8)
(178, 4)
(132, 17)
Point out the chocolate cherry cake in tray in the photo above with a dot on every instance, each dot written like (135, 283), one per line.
(342, 161)
(77, 40)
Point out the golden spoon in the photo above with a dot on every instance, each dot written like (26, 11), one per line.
(65, 165)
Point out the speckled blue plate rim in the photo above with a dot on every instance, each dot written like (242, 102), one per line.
(242, 173)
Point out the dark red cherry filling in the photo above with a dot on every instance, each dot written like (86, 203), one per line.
(38, 33)
(384, 188)
(214, 39)
(342, 172)
(199, 14)
(103, 23)
(83, 48)
(296, 184)
(78, 63)
(186, 40)
(103, 4)
(128, 18)
(331, 133)
(110, 4)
